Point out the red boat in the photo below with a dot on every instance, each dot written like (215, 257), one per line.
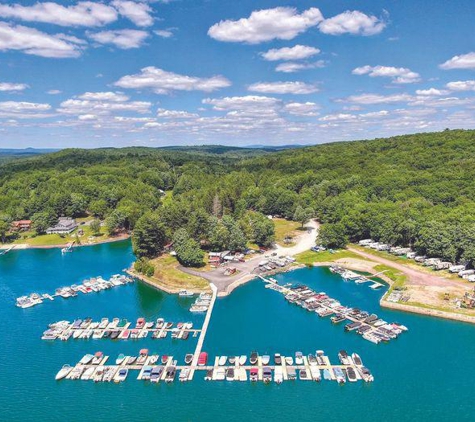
(164, 359)
(202, 359)
(140, 323)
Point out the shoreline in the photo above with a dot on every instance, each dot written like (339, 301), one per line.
(159, 286)
(23, 246)
(454, 316)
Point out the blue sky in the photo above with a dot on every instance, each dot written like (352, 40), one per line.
(180, 72)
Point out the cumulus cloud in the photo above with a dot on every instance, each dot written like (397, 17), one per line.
(121, 38)
(283, 23)
(461, 86)
(7, 86)
(296, 52)
(175, 114)
(308, 109)
(464, 61)
(431, 92)
(104, 96)
(84, 13)
(54, 92)
(138, 13)
(34, 42)
(399, 75)
(292, 67)
(283, 88)
(239, 103)
(24, 110)
(162, 82)
(91, 107)
(352, 22)
(369, 99)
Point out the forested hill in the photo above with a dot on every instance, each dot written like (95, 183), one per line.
(416, 189)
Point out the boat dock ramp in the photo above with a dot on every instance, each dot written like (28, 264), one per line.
(154, 369)
(118, 329)
(349, 275)
(93, 285)
(369, 326)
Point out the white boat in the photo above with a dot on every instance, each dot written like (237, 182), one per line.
(121, 375)
(220, 374)
(278, 375)
(289, 360)
(185, 293)
(315, 372)
(298, 358)
(184, 374)
(87, 374)
(104, 323)
(63, 372)
(86, 359)
(97, 334)
(222, 360)
(265, 359)
(99, 374)
(242, 360)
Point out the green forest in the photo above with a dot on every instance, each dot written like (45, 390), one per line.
(416, 190)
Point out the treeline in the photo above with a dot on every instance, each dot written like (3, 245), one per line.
(416, 190)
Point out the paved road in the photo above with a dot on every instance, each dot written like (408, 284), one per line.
(303, 243)
(416, 277)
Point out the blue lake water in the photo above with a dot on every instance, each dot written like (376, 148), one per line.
(425, 375)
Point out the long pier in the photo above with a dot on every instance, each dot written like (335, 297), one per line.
(204, 328)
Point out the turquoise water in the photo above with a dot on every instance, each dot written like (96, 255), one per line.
(425, 375)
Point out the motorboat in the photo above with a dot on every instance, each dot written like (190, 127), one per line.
(156, 374)
(230, 374)
(327, 375)
(140, 323)
(98, 356)
(278, 359)
(339, 375)
(131, 360)
(160, 322)
(303, 375)
(311, 359)
(356, 359)
(188, 358)
(147, 372)
(222, 360)
(121, 375)
(87, 374)
(298, 358)
(184, 374)
(266, 374)
(242, 360)
(315, 372)
(365, 374)
(254, 357)
(63, 372)
(289, 360)
(120, 359)
(232, 360)
(202, 359)
(265, 359)
(170, 372)
(86, 359)
(143, 355)
(278, 375)
(99, 374)
(153, 359)
(104, 323)
(209, 375)
(351, 374)
(344, 358)
(164, 359)
(185, 293)
(254, 374)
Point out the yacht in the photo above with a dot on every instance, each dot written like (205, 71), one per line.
(63, 372)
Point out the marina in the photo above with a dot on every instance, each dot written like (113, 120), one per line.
(151, 368)
(118, 329)
(368, 326)
(93, 285)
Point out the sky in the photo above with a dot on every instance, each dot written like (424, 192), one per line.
(248, 72)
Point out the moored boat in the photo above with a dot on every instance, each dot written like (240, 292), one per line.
(188, 358)
(253, 358)
(63, 372)
(202, 359)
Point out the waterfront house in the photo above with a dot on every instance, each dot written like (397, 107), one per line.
(65, 225)
(21, 225)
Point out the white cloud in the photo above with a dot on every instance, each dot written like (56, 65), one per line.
(175, 114)
(7, 86)
(461, 86)
(121, 38)
(302, 109)
(104, 96)
(431, 92)
(84, 13)
(247, 102)
(296, 52)
(24, 110)
(162, 82)
(164, 33)
(352, 22)
(138, 13)
(283, 88)
(54, 92)
(283, 23)
(368, 99)
(34, 42)
(399, 75)
(292, 67)
(338, 117)
(94, 107)
(465, 61)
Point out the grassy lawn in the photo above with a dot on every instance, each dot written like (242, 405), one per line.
(309, 257)
(407, 262)
(398, 278)
(30, 238)
(285, 228)
(168, 275)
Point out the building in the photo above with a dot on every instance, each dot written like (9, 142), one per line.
(216, 258)
(21, 225)
(65, 225)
